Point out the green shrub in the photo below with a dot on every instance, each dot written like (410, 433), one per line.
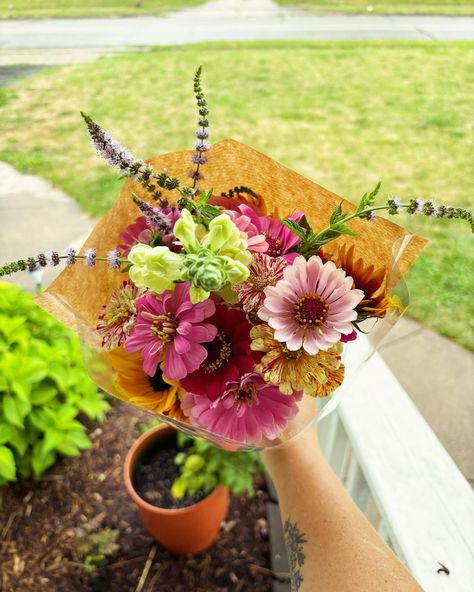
(204, 466)
(43, 388)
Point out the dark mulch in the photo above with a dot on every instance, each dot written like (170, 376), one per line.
(40, 523)
(154, 476)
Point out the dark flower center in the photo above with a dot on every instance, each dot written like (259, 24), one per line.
(219, 352)
(310, 310)
(274, 244)
(157, 382)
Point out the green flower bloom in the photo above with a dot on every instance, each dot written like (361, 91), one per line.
(220, 260)
(156, 268)
(185, 231)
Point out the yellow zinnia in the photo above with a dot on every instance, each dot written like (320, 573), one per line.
(316, 375)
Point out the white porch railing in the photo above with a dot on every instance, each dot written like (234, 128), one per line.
(402, 478)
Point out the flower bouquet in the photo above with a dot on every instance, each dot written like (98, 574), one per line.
(224, 302)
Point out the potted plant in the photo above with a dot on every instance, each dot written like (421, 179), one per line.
(181, 486)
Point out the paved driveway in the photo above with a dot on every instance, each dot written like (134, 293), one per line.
(226, 20)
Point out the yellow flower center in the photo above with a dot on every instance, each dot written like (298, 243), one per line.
(164, 325)
(245, 394)
(274, 244)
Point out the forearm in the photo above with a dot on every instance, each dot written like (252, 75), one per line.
(331, 546)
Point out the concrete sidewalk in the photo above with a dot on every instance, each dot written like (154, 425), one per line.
(437, 373)
(226, 20)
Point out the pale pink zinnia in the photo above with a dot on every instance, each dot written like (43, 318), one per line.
(172, 327)
(249, 409)
(312, 306)
(256, 242)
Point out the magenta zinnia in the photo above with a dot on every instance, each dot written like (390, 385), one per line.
(312, 306)
(248, 409)
(172, 327)
(281, 240)
(229, 354)
(117, 317)
(264, 271)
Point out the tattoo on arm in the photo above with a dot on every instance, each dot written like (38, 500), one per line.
(294, 542)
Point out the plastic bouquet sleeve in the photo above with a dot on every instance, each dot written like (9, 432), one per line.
(77, 295)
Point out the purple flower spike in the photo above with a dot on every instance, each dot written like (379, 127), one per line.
(198, 158)
(415, 207)
(89, 257)
(202, 134)
(113, 259)
(70, 256)
(53, 258)
(202, 145)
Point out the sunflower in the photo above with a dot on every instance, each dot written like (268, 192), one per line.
(373, 282)
(316, 375)
(152, 392)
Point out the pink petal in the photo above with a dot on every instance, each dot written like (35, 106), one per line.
(181, 345)
(202, 333)
(294, 342)
(310, 343)
(175, 368)
(195, 357)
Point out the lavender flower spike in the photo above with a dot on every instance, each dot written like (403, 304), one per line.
(115, 154)
(156, 219)
(113, 259)
(89, 257)
(70, 256)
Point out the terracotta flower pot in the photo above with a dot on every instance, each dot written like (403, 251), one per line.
(183, 530)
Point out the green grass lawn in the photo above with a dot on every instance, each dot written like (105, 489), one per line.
(73, 8)
(343, 114)
(385, 6)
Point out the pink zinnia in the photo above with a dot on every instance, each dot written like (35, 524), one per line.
(312, 306)
(281, 240)
(172, 327)
(256, 242)
(138, 232)
(249, 409)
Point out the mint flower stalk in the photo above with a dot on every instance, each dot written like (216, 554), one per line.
(70, 257)
(202, 134)
(312, 241)
(117, 156)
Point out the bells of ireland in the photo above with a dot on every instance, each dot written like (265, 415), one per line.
(218, 261)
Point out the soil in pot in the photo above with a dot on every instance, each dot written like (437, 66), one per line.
(154, 475)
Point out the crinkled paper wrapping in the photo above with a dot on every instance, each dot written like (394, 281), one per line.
(76, 296)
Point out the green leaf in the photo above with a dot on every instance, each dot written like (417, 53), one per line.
(178, 489)
(40, 460)
(68, 448)
(21, 389)
(336, 215)
(194, 462)
(10, 434)
(52, 439)
(43, 394)
(80, 439)
(11, 411)
(7, 464)
(368, 199)
(295, 228)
